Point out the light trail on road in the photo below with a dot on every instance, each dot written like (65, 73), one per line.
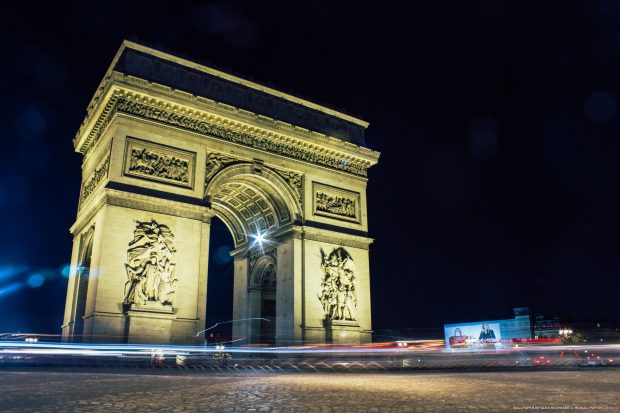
(312, 357)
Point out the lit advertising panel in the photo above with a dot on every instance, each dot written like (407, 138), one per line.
(472, 336)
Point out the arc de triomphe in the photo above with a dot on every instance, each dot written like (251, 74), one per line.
(168, 144)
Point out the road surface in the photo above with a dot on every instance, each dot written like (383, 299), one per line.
(127, 390)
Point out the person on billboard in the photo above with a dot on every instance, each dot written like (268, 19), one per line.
(486, 334)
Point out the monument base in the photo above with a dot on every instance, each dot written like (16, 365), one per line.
(342, 332)
(152, 307)
(149, 323)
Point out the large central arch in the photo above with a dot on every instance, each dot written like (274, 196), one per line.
(258, 207)
(252, 199)
(168, 144)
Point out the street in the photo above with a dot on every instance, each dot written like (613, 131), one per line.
(152, 390)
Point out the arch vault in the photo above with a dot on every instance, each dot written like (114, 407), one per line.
(168, 144)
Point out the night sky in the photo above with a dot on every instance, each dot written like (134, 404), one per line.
(498, 124)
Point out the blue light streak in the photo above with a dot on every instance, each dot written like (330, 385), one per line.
(9, 271)
(11, 288)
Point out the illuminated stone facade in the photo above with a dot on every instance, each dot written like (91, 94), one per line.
(168, 144)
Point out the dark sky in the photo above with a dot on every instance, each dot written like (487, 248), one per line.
(498, 124)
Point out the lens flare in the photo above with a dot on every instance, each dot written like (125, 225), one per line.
(259, 238)
(35, 280)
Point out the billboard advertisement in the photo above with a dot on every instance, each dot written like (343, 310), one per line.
(472, 336)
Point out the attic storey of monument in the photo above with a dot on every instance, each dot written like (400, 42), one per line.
(167, 145)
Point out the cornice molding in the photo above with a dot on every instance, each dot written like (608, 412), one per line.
(88, 210)
(105, 196)
(223, 109)
(337, 238)
(158, 205)
(222, 121)
(232, 78)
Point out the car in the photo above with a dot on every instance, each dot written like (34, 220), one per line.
(532, 361)
(594, 360)
(542, 361)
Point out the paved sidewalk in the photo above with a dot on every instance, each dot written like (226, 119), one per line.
(44, 391)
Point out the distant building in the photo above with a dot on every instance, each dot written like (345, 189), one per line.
(546, 327)
(406, 334)
(489, 334)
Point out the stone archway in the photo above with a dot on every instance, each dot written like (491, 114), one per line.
(251, 199)
(80, 285)
(262, 298)
(259, 207)
(168, 144)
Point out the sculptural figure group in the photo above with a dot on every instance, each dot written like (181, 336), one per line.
(150, 267)
(158, 165)
(335, 205)
(338, 287)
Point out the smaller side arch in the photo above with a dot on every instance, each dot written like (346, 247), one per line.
(264, 267)
(262, 300)
(81, 283)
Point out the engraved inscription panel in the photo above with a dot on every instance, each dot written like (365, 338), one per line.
(336, 203)
(151, 161)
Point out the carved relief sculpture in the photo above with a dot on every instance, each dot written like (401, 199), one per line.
(215, 162)
(294, 180)
(97, 176)
(159, 165)
(157, 162)
(151, 265)
(338, 295)
(123, 105)
(336, 203)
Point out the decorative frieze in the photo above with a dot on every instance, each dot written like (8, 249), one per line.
(144, 111)
(336, 203)
(338, 296)
(148, 160)
(151, 266)
(95, 179)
